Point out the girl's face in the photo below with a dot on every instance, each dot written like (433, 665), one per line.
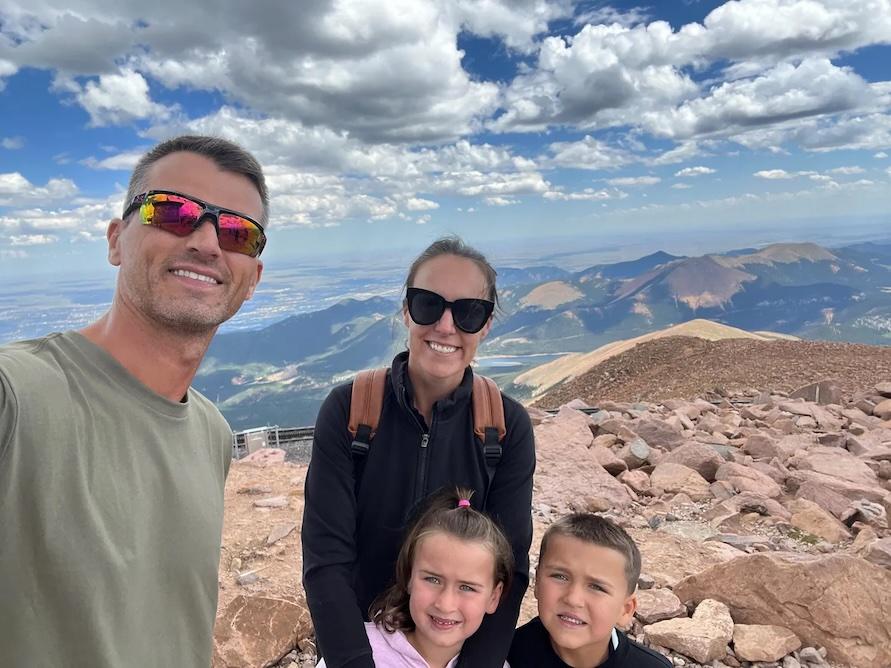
(452, 587)
(440, 352)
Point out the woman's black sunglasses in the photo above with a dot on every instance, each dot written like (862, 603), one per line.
(469, 315)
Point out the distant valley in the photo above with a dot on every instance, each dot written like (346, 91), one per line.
(280, 374)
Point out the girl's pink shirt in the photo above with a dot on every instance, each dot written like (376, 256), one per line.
(394, 651)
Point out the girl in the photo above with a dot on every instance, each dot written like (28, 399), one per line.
(355, 514)
(453, 569)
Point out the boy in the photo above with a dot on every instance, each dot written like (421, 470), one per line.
(585, 586)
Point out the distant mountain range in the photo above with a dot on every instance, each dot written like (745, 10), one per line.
(280, 374)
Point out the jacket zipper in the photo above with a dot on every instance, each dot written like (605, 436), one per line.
(421, 474)
(421, 470)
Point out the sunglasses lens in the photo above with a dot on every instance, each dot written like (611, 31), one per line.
(171, 213)
(240, 235)
(425, 307)
(471, 314)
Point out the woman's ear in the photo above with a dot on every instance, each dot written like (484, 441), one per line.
(485, 330)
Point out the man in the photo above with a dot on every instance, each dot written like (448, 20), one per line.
(111, 467)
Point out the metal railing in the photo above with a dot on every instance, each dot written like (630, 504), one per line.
(274, 437)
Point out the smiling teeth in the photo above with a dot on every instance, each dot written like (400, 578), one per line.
(443, 622)
(192, 274)
(571, 620)
(440, 348)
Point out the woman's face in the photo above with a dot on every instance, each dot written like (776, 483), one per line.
(440, 352)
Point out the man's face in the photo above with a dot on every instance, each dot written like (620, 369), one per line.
(187, 284)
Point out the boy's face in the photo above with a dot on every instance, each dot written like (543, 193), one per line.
(582, 594)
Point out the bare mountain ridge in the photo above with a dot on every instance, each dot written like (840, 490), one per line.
(698, 282)
(712, 280)
(781, 254)
(541, 378)
(795, 288)
(686, 366)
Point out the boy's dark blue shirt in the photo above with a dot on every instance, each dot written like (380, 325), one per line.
(532, 648)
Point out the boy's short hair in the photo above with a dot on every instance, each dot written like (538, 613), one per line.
(601, 531)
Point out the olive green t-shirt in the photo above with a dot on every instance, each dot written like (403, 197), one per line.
(111, 513)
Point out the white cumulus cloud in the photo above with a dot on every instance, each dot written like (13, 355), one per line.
(587, 194)
(848, 170)
(86, 220)
(634, 181)
(13, 143)
(16, 189)
(32, 239)
(694, 171)
(587, 153)
(774, 174)
(420, 204)
(500, 201)
(115, 99)
(125, 161)
(812, 88)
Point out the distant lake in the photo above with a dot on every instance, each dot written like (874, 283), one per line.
(507, 362)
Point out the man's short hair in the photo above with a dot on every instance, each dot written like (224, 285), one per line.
(228, 156)
(601, 531)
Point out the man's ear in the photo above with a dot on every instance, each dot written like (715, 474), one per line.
(113, 234)
(253, 285)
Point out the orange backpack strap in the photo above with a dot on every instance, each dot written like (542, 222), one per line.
(488, 409)
(488, 422)
(366, 404)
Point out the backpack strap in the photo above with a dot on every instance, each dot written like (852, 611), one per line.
(488, 422)
(366, 404)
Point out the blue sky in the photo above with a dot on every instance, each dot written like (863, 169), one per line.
(386, 123)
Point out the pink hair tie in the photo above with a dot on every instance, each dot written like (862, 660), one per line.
(463, 503)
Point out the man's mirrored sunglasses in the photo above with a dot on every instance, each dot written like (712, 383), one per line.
(426, 307)
(182, 214)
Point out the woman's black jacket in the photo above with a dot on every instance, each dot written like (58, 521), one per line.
(351, 536)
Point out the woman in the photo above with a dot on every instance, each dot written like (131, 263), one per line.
(352, 528)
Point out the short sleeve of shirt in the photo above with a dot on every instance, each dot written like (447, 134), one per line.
(8, 412)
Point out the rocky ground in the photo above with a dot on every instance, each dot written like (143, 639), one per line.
(762, 519)
(688, 367)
